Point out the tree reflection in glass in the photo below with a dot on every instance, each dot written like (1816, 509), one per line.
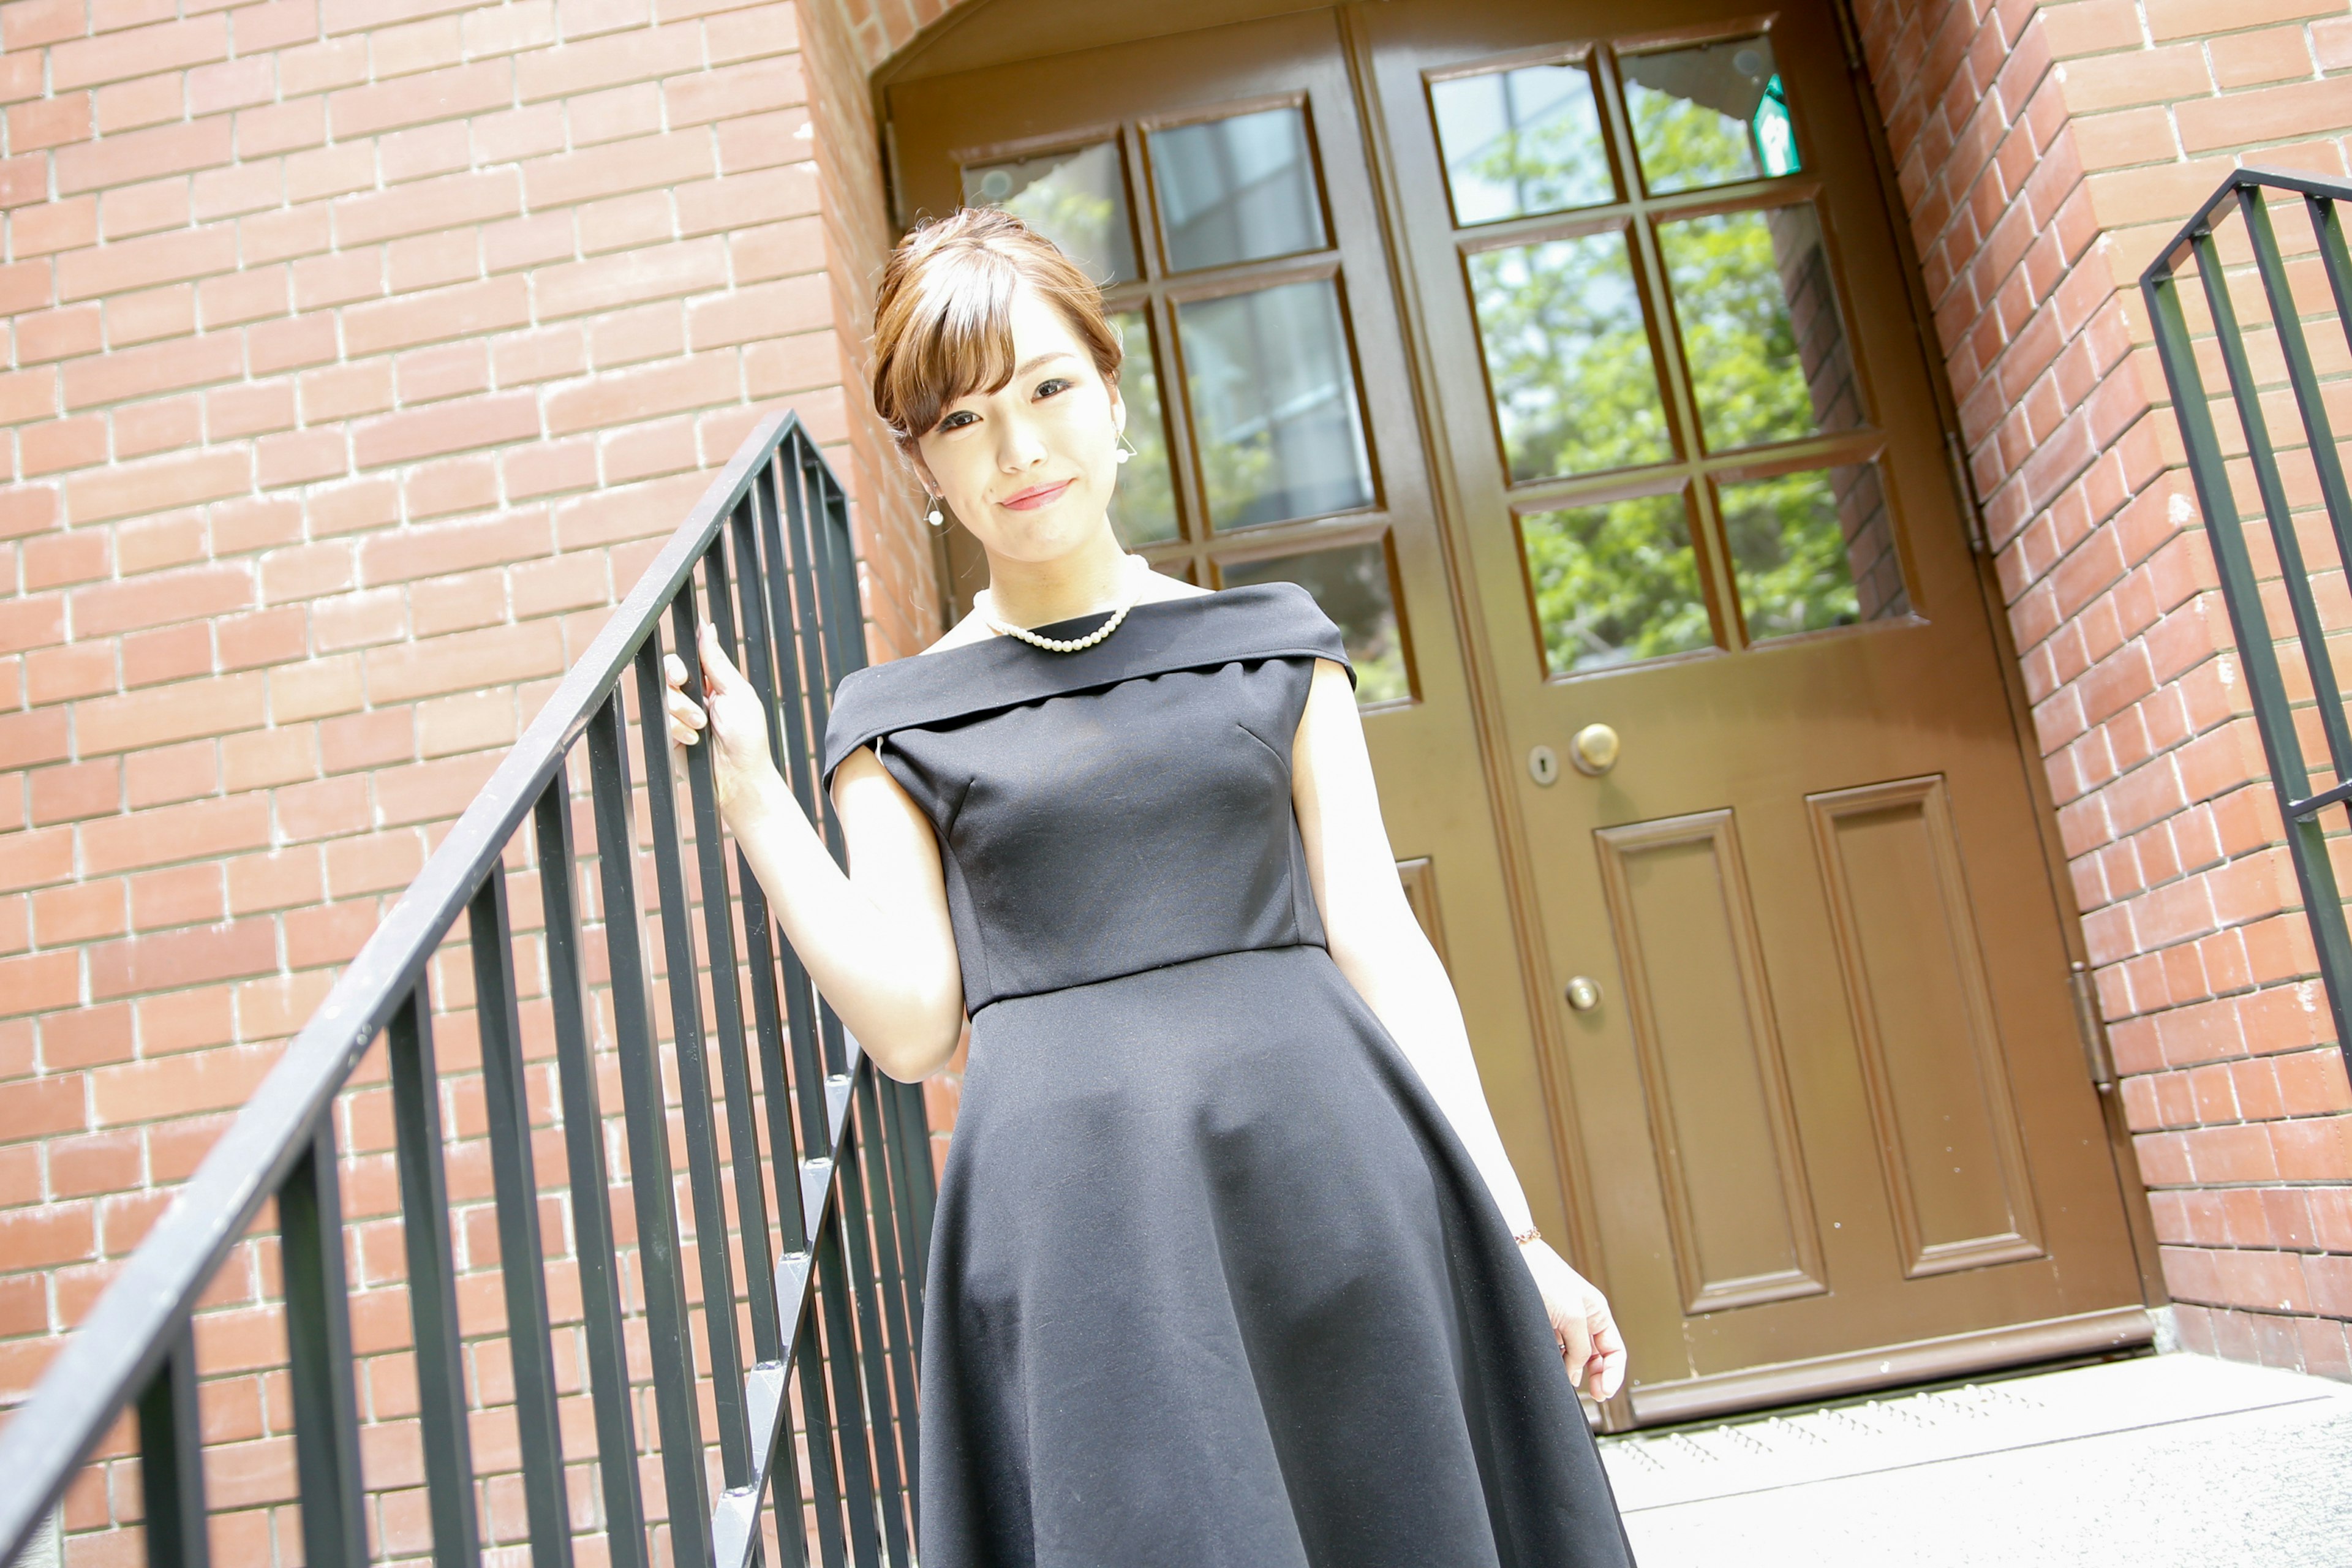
(1351, 581)
(1077, 199)
(1615, 582)
(1517, 141)
(1811, 551)
(1760, 326)
(1272, 387)
(1143, 508)
(1568, 358)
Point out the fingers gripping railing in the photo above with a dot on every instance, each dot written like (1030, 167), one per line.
(655, 1274)
(2284, 481)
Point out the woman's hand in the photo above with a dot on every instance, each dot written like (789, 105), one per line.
(1589, 1340)
(737, 721)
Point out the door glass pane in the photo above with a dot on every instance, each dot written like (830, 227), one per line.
(1236, 190)
(1077, 199)
(1143, 508)
(1352, 583)
(1760, 326)
(1615, 582)
(1813, 550)
(1524, 141)
(1709, 115)
(1568, 358)
(1272, 387)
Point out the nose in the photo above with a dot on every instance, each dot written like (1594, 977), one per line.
(1018, 445)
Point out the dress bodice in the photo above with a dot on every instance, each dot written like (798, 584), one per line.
(1114, 810)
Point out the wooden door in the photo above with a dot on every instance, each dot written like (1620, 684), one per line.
(1216, 181)
(1805, 960)
(1630, 304)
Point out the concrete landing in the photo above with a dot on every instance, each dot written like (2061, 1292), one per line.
(2162, 1461)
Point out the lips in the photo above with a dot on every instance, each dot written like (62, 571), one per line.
(1042, 495)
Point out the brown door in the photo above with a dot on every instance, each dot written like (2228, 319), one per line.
(1810, 983)
(1777, 993)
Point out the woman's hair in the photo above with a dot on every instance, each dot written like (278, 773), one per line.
(943, 317)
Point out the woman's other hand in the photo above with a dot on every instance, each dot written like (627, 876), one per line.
(736, 719)
(1581, 1321)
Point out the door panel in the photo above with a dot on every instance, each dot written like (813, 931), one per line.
(1940, 1100)
(1711, 1071)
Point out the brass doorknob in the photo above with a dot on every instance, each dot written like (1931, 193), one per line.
(1594, 750)
(1583, 993)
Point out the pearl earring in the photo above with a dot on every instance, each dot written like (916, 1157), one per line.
(1126, 450)
(932, 516)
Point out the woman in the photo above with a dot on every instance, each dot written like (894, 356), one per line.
(1229, 1266)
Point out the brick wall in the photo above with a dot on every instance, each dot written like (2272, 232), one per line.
(2043, 153)
(359, 353)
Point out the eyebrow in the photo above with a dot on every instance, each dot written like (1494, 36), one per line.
(1034, 361)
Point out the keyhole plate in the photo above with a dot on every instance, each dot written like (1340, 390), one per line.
(1543, 765)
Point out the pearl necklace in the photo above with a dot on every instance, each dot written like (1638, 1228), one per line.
(1070, 644)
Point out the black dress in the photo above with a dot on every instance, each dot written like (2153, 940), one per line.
(1213, 1284)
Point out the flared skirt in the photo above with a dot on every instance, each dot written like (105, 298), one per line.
(1215, 1285)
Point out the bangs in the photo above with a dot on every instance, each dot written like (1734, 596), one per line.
(943, 316)
(958, 339)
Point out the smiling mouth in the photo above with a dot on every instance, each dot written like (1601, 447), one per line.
(1031, 500)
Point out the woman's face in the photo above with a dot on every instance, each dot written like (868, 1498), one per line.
(1029, 468)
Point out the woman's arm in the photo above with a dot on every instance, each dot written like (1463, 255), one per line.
(878, 941)
(1380, 948)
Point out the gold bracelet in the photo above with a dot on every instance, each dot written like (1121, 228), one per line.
(1530, 1234)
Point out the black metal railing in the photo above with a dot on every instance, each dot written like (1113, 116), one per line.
(778, 1301)
(2259, 268)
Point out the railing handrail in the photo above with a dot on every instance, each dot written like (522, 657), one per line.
(108, 1359)
(2300, 806)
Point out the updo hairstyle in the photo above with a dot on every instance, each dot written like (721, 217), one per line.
(943, 316)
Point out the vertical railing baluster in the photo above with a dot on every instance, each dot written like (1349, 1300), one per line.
(914, 1144)
(808, 617)
(897, 1151)
(732, 1048)
(172, 1460)
(879, 1153)
(432, 1283)
(872, 1353)
(592, 1214)
(319, 1355)
(841, 1362)
(692, 1054)
(816, 1412)
(2242, 596)
(652, 1180)
(800, 995)
(522, 1260)
(762, 947)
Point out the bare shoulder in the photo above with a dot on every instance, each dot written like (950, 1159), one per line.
(1159, 585)
(970, 630)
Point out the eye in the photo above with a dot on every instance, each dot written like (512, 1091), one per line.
(959, 419)
(1052, 384)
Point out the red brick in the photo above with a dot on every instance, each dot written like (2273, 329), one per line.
(175, 834)
(446, 427)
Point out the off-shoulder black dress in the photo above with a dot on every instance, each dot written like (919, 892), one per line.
(1213, 1284)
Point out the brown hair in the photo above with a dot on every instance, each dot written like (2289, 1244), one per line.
(943, 317)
